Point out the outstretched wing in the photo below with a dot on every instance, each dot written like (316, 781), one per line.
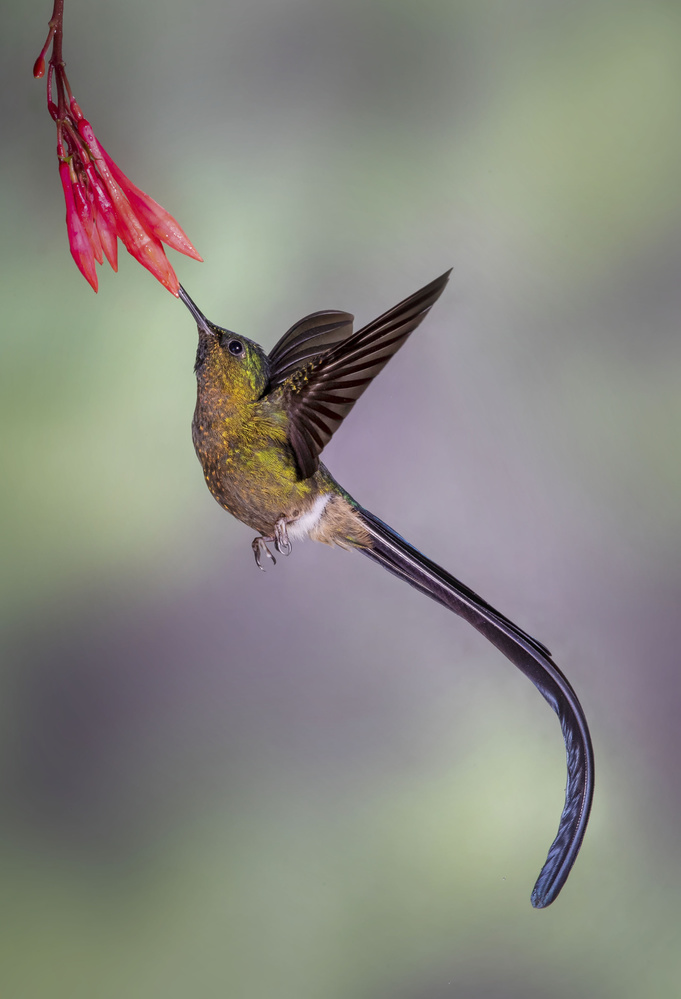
(323, 367)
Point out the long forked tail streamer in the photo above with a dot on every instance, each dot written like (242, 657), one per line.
(534, 660)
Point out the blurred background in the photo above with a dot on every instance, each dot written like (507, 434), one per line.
(315, 782)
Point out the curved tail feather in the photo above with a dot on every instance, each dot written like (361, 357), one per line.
(534, 660)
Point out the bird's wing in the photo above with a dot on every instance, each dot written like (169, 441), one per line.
(323, 367)
(308, 338)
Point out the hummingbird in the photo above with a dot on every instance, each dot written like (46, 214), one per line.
(260, 424)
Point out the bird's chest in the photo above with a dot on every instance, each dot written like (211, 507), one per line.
(249, 468)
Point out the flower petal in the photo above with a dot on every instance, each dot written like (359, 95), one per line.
(105, 216)
(143, 246)
(155, 218)
(81, 248)
(85, 212)
(94, 236)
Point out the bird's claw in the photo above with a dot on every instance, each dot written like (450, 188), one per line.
(281, 538)
(259, 546)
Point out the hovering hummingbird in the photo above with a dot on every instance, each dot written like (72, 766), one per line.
(260, 424)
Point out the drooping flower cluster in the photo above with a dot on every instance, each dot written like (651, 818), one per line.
(102, 204)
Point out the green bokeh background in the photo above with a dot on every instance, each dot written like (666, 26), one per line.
(314, 782)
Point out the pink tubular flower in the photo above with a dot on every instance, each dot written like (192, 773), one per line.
(102, 205)
(81, 246)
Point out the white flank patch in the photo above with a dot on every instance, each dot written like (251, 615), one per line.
(301, 527)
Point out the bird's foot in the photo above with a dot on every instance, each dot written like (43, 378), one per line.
(281, 538)
(259, 546)
(281, 542)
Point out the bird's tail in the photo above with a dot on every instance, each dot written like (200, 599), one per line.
(534, 660)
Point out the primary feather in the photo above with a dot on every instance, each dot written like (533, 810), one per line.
(322, 371)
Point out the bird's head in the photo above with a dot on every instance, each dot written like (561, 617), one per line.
(225, 361)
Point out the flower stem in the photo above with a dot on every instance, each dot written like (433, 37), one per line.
(56, 59)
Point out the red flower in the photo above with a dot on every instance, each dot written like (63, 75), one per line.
(82, 248)
(102, 205)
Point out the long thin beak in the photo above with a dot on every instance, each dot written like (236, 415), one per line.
(201, 320)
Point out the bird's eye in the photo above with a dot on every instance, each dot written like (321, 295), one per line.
(235, 347)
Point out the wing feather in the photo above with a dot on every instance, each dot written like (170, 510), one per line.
(323, 367)
(308, 338)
